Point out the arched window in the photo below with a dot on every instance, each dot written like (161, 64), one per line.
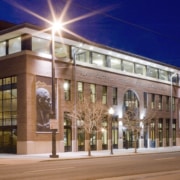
(130, 105)
(130, 100)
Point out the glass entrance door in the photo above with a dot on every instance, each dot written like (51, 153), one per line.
(8, 139)
(8, 115)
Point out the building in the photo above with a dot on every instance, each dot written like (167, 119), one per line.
(118, 78)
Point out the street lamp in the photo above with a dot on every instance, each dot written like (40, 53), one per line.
(111, 112)
(171, 116)
(53, 121)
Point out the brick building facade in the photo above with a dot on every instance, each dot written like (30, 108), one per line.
(116, 77)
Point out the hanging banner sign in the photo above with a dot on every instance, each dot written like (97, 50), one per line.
(53, 124)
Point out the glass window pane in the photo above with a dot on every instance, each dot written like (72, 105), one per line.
(61, 50)
(7, 104)
(93, 92)
(1, 106)
(128, 66)
(7, 80)
(14, 79)
(6, 94)
(98, 59)
(41, 45)
(14, 93)
(67, 86)
(104, 94)
(14, 105)
(80, 86)
(152, 72)
(140, 69)
(80, 54)
(14, 45)
(115, 63)
(163, 75)
(114, 96)
(2, 48)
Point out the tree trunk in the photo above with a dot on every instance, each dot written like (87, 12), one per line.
(89, 148)
(135, 145)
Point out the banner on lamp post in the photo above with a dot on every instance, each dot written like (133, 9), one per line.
(53, 124)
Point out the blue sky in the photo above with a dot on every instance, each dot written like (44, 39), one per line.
(150, 28)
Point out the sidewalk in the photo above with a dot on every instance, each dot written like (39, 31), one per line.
(32, 158)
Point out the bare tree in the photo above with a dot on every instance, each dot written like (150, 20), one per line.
(133, 123)
(89, 116)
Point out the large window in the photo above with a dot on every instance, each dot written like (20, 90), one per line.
(67, 92)
(128, 66)
(152, 133)
(80, 89)
(2, 48)
(152, 101)
(81, 55)
(145, 99)
(167, 132)
(130, 100)
(104, 95)
(152, 72)
(160, 132)
(115, 63)
(93, 139)
(61, 50)
(167, 103)
(67, 132)
(173, 103)
(8, 114)
(14, 45)
(41, 45)
(163, 75)
(98, 59)
(140, 69)
(174, 132)
(160, 102)
(93, 92)
(115, 97)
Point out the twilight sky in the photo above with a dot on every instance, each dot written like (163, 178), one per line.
(150, 28)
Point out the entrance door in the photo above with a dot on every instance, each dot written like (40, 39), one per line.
(67, 139)
(8, 139)
(129, 140)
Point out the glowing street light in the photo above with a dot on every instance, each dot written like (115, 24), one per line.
(55, 27)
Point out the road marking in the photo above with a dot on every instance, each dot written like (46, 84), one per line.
(42, 170)
(161, 159)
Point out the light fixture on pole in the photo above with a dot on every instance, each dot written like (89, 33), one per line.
(111, 112)
(53, 121)
(171, 101)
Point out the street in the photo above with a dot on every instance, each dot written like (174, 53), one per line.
(94, 168)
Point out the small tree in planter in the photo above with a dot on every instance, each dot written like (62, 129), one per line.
(133, 123)
(89, 116)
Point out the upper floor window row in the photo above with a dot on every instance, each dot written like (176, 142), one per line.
(44, 46)
(102, 60)
(38, 45)
(10, 46)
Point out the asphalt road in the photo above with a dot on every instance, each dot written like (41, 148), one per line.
(94, 168)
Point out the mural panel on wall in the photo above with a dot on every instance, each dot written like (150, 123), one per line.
(43, 104)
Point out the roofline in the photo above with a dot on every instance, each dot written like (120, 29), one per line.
(88, 42)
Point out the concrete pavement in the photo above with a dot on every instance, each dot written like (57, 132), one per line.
(11, 159)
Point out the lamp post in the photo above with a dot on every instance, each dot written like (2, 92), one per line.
(111, 112)
(53, 120)
(171, 116)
